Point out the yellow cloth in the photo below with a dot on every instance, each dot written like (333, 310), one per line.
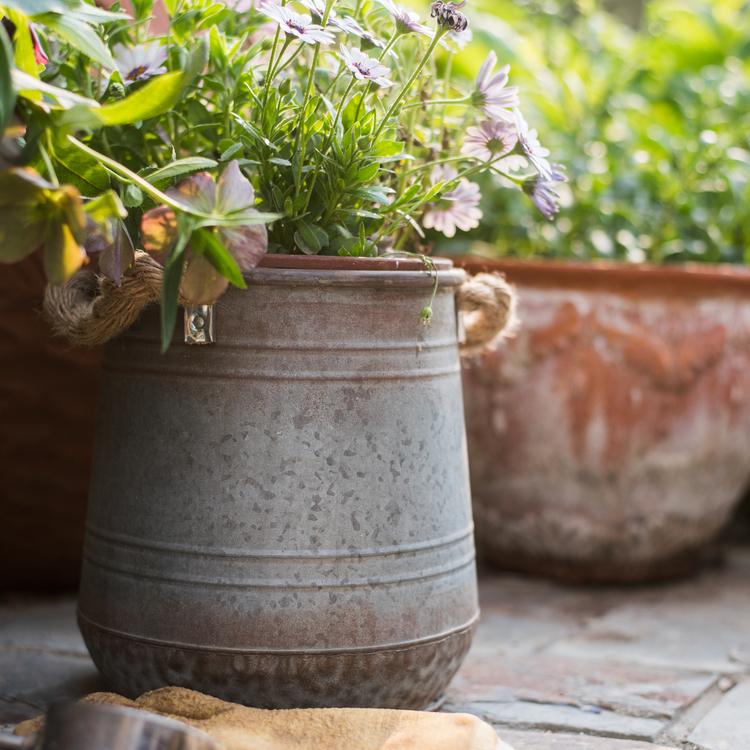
(237, 727)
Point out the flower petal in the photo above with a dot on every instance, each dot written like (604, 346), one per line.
(247, 244)
(201, 283)
(235, 191)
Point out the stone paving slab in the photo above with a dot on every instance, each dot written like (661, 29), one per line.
(631, 689)
(50, 626)
(563, 718)
(701, 624)
(553, 741)
(727, 725)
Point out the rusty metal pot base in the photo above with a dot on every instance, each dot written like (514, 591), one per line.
(407, 677)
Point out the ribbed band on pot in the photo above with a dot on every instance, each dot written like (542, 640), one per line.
(90, 309)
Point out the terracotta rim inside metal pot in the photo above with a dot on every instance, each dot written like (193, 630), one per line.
(331, 270)
(341, 263)
(670, 280)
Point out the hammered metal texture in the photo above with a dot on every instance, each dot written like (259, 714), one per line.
(283, 518)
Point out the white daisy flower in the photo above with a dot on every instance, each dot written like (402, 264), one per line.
(296, 24)
(140, 62)
(489, 140)
(365, 68)
(491, 92)
(458, 209)
(532, 149)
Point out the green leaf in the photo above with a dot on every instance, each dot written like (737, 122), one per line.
(37, 7)
(133, 196)
(231, 151)
(82, 36)
(196, 62)
(25, 83)
(387, 148)
(171, 288)
(310, 239)
(105, 206)
(180, 167)
(210, 245)
(7, 93)
(79, 169)
(155, 98)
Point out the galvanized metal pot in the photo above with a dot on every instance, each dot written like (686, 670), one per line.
(283, 518)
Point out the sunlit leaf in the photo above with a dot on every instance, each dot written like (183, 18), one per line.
(156, 97)
(178, 168)
(211, 246)
(63, 255)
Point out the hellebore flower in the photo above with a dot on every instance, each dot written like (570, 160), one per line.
(491, 139)
(407, 22)
(365, 68)
(296, 24)
(532, 149)
(231, 197)
(458, 209)
(491, 92)
(140, 62)
(35, 214)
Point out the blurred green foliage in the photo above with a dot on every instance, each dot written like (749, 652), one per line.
(653, 126)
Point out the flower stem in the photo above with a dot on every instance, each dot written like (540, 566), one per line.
(407, 86)
(124, 174)
(430, 102)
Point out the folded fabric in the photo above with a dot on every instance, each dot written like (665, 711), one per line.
(237, 727)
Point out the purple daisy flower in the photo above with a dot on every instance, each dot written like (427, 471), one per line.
(458, 209)
(296, 24)
(406, 21)
(141, 61)
(543, 192)
(365, 68)
(491, 92)
(536, 154)
(491, 139)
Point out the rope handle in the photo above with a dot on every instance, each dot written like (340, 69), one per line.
(90, 309)
(487, 303)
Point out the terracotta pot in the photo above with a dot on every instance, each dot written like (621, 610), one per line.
(48, 393)
(283, 518)
(610, 441)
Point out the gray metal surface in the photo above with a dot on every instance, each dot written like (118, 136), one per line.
(91, 726)
(283, 518)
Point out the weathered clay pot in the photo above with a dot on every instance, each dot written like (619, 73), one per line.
(48, 393)
(610, 440)
(283, 518)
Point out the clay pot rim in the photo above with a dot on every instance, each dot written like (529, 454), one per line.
(671, 280)
(344, 263)
(328, 270)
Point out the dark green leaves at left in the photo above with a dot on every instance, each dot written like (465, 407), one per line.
(7, 93)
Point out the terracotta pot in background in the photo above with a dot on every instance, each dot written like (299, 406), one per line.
(48, 394)
(610, 441)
